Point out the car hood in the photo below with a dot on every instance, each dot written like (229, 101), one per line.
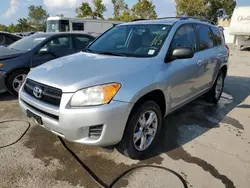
(6, 53)
(82, 70)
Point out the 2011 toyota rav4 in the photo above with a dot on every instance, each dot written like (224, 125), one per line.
(118, 91)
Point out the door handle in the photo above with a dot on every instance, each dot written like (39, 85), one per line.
(200, 62)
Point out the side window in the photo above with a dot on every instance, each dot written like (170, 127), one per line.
(217, 36)
(64, 26)
(78, 26)
(184, 37)
(2, 40)
(58, 45)
(205, 37)
(81, 42)
(9, 40)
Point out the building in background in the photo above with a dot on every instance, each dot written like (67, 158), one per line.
(94, 27)
(240, 27)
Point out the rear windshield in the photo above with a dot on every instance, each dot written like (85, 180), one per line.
(143, 40)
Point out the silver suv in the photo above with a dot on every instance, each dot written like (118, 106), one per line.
(117, 92)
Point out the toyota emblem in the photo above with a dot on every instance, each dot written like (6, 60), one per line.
(37, 91)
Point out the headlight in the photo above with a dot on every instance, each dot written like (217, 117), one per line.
(1, 65)
(95, 95)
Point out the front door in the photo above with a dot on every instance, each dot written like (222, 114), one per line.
(53, 49)
(208, 55)
(183, 74)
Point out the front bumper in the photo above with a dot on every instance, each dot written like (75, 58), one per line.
(3, 87)
(74, 124)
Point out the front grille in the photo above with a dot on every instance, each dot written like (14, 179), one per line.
(41, 111)
(49, 95)
(95, 131)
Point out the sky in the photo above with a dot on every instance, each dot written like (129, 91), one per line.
(12, 10)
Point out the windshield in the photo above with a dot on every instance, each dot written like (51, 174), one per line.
(27, 43)
(132, 40)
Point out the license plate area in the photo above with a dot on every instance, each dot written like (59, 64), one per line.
(35, 117)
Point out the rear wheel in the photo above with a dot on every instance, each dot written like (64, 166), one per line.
(142, 131)
(215, 93)
(15, 80)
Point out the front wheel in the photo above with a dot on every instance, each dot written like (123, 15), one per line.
(15, 80)
(142, 131)
(215, 93)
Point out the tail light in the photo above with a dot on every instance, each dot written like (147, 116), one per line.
(227, 47)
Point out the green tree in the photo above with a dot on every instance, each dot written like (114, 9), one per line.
(126, 16)
(37, 17)
(119, 8)
(210, 9)
(3, 27)
(144, 9)
(23, 25)
(60, 15)
(84, 11)
(12, 28)
(99, 9)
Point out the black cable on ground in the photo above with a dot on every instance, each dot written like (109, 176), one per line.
(88, 170)
(103, 184)
(7, 121)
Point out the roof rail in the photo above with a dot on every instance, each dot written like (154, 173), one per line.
(191, 18)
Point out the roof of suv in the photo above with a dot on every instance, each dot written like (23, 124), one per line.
(170, 21)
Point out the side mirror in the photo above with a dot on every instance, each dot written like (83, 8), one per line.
(44, 51)
(182, 53)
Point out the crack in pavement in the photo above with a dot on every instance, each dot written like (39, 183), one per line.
(229, 154)
(181, 154)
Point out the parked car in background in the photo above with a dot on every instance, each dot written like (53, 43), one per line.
(7, 38)
(17, 59)
(118, 91)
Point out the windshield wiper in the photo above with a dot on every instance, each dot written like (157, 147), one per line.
(103, 53)
(111, 53)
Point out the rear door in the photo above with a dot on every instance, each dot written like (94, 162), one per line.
(221, 51)
(207, 54)
(184, 73)
(55, 48)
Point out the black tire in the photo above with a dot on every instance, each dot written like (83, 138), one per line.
(126, 146)
(211, 95)
(10, 79)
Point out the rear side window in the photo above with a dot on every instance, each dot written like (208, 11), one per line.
(217, 36)
(78, 26)
(2, 40)
(81, 42)
(205, 37)
(9, 40)
(184, 37)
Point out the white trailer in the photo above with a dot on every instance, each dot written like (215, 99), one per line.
(240, 26)
(90, 26)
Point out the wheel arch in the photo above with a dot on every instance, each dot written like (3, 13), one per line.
(224, 70)
(17, 69)
(156, 95)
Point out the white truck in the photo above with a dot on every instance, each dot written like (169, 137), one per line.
(240, 26)
(93, 27)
